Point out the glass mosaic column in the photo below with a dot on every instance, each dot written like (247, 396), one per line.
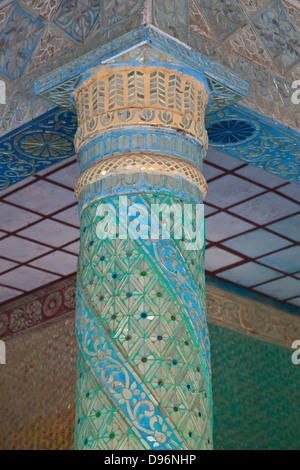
(143, 350)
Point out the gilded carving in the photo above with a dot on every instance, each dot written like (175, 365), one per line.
(140, 97)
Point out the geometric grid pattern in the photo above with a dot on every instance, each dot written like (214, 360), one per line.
(39, 232)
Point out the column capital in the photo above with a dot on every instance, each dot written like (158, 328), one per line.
(143, 123)
(146, 94)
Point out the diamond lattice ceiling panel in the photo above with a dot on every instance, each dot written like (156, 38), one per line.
(39, 238)
(261, 229)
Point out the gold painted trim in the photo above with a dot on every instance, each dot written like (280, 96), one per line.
(104, 73)
(224, 308)
(251, 317)
(140, 97)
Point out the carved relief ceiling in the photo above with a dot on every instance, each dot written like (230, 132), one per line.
(34, 31)
(266, 32)
(258, 39)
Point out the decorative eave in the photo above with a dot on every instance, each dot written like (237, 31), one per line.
(268, 146)
(271, 146)
(150, 46)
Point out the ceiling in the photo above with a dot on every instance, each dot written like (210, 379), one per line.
(252, 229)
(258, 39)
(39, 237)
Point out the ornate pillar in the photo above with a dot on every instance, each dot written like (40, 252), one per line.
(143, 379)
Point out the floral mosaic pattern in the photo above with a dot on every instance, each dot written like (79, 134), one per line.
(4, 15)
(43, 146)
(116, 10)
(51, 44)
(252, 6)
(230, 131)
(24, 35)
(269, 94)
(246, 42)
(22, 105)
(268, 35)
(293, 13)
(45, 8)
(34, 310)
(268, 148)
(198, 22)
(246, 50)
